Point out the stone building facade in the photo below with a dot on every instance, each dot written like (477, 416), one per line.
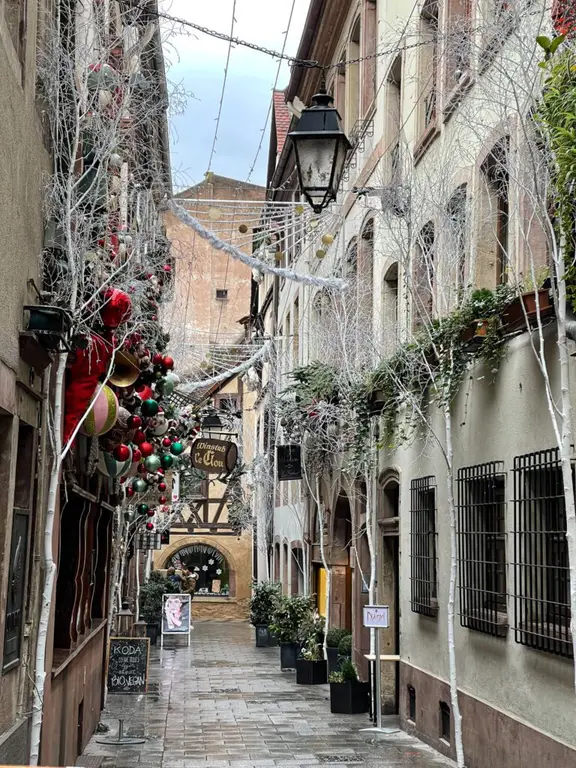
(404, 111)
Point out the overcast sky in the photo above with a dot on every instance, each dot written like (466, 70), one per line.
(197, 61)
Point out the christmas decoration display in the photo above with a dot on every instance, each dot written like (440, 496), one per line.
(117, 308)
(90, 363)
(103, 412)
(152, 463)
(109, 466)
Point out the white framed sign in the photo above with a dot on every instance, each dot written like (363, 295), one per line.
(176, 617)
(376, 616)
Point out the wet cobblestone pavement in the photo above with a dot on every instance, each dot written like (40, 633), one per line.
(222, 703)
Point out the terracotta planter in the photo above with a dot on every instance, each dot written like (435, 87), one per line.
(475, 332)
(515, 316)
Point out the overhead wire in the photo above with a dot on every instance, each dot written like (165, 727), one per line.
(226, 67)
(263, 131)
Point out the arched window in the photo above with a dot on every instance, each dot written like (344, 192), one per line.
(353, 79)
(209, 564)
(390, 307)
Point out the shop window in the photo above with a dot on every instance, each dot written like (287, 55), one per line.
(209, 564)
(18, 563)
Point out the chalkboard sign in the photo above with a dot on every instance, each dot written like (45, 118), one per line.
(128, 664)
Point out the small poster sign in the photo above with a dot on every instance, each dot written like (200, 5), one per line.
(376, 616)
(176, 618)
(289, 462)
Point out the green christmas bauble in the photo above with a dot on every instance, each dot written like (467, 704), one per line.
(152, 463)
(140, 485)
(177, 448)
(149, 408)
(166, 386)
(128, 516)
(142, 509)
(167, 461)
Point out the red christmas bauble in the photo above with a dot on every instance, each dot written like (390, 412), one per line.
(123, 480)
(149, 526)
(136, 454)
(160, 471)
(168, 363)
(162, 500)
(162, 486)
(150, 513)
(146, 448)
(157, 359)
(144, 392)
(140, 437)
(167, 268)
(167, 442)
(117, 308)
(142, 469)
(130, 491)
(122, 452)
(135, 422)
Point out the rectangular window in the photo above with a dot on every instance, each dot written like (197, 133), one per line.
(423, 276)
(458, 43)
(493, 245)
(457, 234)
(445, 725)
(482, 548)
(424, 594)
(542, 575)
(15, 17)
(427, 74)
(221, 294)
(411, 703)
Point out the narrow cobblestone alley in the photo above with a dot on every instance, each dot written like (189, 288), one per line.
(222, 702)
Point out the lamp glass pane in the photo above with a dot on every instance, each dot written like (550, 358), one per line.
(316, 158)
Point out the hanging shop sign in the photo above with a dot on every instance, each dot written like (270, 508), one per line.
(128, 664)
(149, 541)
(216, 457)
(289, 465)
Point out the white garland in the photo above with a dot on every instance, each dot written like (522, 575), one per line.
(332, 283)
(192, 386)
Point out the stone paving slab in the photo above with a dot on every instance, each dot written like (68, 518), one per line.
(222, 703)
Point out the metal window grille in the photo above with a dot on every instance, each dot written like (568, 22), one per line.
(482, 548)
(542, 599)
(424, 592)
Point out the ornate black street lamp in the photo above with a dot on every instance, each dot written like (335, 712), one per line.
(320, 146)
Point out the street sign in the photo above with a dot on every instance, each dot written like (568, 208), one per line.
(376, 616)
(216, 457)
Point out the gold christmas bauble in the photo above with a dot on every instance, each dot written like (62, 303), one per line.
(243, 228)
(327, 239)
(320, 254)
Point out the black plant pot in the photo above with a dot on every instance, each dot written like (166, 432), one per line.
(288, 655)
(349, 698)
(152, 632)
(334, 660)
(272, 639)
(262, 636)
(311, 672)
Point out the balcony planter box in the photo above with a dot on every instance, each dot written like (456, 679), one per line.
(288, 655)
(264, 637)
(514, 317)
(311, 672)
(349, 698)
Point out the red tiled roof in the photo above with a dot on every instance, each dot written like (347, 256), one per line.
(281, 119)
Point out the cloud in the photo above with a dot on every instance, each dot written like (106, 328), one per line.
(197, 61)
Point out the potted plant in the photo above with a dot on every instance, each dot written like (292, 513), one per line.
(151, 603)
(289, 617)
(345, 649)
(311, 668)
(333, 638)
(348, 696)
(263, 603)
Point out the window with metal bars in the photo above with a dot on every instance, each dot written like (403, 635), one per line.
(424, 591)
(482, 548)
(542, 575)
